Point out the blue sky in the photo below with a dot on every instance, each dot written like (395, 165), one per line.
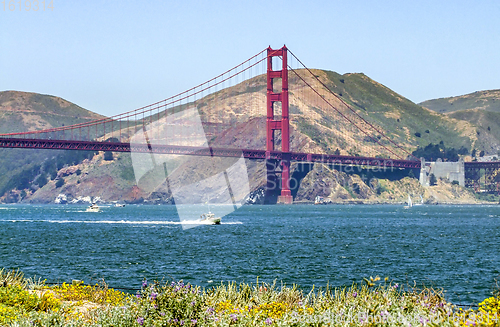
(114, 56)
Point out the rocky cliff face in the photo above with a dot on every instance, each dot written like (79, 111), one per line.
(108, 180)
(331, 186)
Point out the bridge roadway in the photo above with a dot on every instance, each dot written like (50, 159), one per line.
(222, 152)
(204, 151)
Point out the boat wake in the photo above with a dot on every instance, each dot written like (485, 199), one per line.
(126, 222)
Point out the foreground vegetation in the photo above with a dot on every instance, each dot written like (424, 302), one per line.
(24, 302)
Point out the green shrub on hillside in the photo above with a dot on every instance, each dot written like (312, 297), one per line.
(28, 175)
(432, 152)
(41, 180)
(108, 156)
(432, 180)
(60, 182)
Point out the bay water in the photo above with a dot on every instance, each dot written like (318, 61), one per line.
(456, 248)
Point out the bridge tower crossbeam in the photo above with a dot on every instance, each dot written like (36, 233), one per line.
(273, 123)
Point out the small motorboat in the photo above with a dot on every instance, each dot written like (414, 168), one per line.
(209, 218)
(119, 205)
(93, 208)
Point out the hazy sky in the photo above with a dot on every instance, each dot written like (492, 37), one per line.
(114, 56)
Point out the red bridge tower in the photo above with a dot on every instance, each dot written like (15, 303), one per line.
(278, 123)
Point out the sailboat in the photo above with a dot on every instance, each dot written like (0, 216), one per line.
(409, 203)
(421, 202)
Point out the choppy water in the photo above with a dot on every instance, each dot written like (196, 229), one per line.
(452, 247)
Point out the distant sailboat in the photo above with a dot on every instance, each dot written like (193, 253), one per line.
(409, 203)
(421, 202)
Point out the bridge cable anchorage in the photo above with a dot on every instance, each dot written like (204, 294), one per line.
(351, 109)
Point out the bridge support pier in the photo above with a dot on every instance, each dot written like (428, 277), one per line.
(279, 122)
(286, 193)
(272, 181)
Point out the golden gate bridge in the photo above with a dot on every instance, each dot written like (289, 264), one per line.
(273, 93)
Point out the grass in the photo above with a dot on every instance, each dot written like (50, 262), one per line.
(488, 197)
(488, 125)
(376, 302)
(485, 100)
(374, 101)
(312, 131)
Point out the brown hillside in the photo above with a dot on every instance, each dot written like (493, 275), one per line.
(23, 111)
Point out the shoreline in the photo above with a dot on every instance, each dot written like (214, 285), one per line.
(302, 202)
(361, 202)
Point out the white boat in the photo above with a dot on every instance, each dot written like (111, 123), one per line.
(93, 208)
(409, 203)
(209, 218)
(119, 205)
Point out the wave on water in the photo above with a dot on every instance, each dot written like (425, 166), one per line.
(129, 222)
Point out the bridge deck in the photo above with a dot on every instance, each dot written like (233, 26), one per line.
(204, 151)
(220, 152)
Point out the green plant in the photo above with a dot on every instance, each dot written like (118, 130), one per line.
(108, 156)
(127, 173)
(60, 182)
(12, 278)
(488, 197)
(98, 293)
(22, 179)
(173, 304)
(13, 299)
(381, 188)
(378, 302)
(432, 180)
(434, 151)
(53, 174)
(41, 180)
